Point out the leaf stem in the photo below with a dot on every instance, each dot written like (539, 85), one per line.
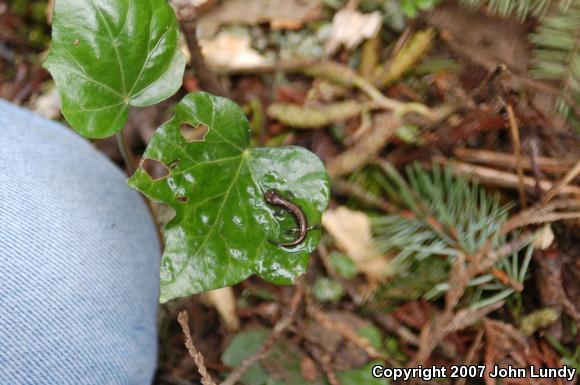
(131, 167)
(128, 159)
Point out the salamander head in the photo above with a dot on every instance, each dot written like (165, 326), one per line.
(271, 196)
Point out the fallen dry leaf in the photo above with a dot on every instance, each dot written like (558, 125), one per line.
(281, 14)
(350, 28)
(192, 3)
(352, 232)
(231, 50)
(48, 104)
(544, 238)
(224, 301)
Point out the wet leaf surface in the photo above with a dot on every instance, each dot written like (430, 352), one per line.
(223, 230)
(112, 54)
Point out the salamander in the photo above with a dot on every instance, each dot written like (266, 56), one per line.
(273, 198)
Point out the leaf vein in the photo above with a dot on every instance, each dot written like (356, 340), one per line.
(181, 172)
(87, 78)
(211, 230)
(157, 81)
(150, 52)
(115, 47)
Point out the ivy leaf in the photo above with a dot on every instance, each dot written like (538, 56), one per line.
(223, 229)
(107, 55)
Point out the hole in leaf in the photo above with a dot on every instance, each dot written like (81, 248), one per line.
(173, 164)
(182, 199)
(155, 169)
(193, 133)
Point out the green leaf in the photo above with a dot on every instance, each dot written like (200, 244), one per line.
(373, 334)
(326, 289)
(343, 265)
(107, 55)
(361, 376)
(243, 346)
(280, 366)
(223, 230)
(409, 133)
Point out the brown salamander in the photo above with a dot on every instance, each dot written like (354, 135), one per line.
(273, 198)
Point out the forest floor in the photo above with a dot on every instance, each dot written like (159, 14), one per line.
(452, 233)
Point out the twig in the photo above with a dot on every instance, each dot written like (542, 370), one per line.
(543, 213)
(505, 160)
(401, 41)
(345, 332)
(515, 135)
(384, 127)
(342, 187)
(503, 179)
(290, 66)
(324, 362)
(207, 79)
(569, 177)
(279, 328)
(183, 320)
(535, 160)
(390, 323)
(545, 218)
(504, 278)
(346, 76)
(470, 359)
(450, 321)
(485, 259)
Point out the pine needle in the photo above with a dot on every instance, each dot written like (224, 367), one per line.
(557, 52)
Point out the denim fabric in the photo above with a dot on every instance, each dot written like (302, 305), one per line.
(79, 262)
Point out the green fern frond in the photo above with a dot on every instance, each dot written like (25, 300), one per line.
(447, 216)
(521, 8)
(557, 51)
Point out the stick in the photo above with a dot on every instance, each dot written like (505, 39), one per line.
(569, 177)
(183, 320)
(505, 160)
(207, 79)
(345, 332)
(470, 360)
(515, 134)
(503, 179)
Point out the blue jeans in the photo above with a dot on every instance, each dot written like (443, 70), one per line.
(79, 262)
